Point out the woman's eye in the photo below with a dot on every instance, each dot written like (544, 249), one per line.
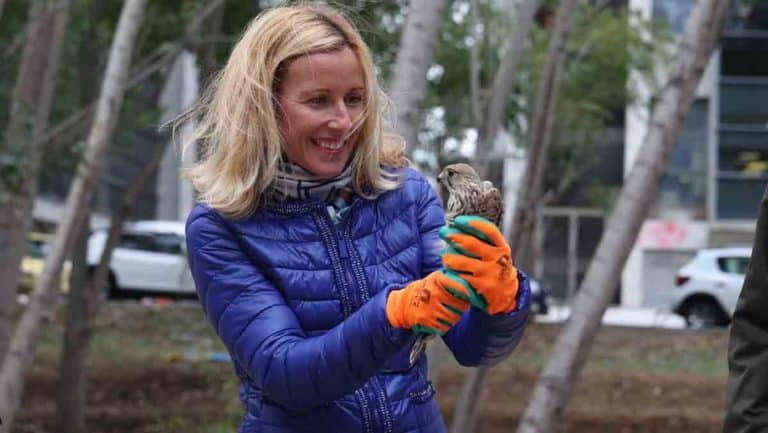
(317, 100)
(354, 100)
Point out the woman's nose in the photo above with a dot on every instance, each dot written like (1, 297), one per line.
(341, 117)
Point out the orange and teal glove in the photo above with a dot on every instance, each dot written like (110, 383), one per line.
(479, 254)
(431, 305)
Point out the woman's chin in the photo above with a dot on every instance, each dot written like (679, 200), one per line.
(328, 164)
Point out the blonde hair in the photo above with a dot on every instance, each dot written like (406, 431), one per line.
(238, 127)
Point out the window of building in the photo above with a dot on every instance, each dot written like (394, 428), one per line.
(683, 188)
(738, 196)
(744, 57)
(744, 159)
(742, 152)
(743, 101)
(748, 15)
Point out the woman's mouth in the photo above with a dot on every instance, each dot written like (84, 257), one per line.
(332, 146)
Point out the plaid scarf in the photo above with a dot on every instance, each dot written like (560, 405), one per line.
(294, 181)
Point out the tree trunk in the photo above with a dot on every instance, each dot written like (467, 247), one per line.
(541, 134)
(22, 349)
(90, 55)
(465, 416)
(80, 302)
(472, 393)
(85, 295)
(556, 383)
(28, 118)
(522, 234)
(81, 306)
(206, 51)
(408, 87)
(84, 304)
(502, 85)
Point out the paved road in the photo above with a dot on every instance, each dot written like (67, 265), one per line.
(623, 316)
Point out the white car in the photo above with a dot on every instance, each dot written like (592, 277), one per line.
(708, 286)
(150, 258)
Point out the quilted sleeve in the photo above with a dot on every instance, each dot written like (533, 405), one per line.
(264, 336)
(478, 339)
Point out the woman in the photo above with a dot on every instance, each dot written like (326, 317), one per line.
(315, 251)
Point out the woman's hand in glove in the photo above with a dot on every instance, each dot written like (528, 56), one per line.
(431, 305)
(479, 254)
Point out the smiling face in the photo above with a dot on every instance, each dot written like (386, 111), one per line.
(321, 99)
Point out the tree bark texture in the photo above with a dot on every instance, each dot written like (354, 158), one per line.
(522, 237)
(569, 353)
(542, 123)
(84, 302)
(502, 85)
(408, 87)
(472, 394)
(21, 352)
(28, 118)
(81, 305)
(85, 293)
(465, 416)
(206, 52)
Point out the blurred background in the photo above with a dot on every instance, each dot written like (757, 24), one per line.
(481, 79)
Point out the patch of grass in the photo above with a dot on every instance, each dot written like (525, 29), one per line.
(632, 349)
(231, 415)
(143, 378)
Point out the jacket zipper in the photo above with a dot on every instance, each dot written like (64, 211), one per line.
(357, 289)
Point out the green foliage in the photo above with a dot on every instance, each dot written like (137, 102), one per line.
(12, 44)
(602, 50)
(379, 24)
(12, 165)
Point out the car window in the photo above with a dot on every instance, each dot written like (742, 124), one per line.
(165, 243)
(733, 265)
(154, 242)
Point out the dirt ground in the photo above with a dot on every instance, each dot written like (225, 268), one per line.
(636, 381)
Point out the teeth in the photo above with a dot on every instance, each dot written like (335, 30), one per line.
(330, 145)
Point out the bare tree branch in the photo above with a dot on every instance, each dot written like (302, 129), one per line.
(158, 59)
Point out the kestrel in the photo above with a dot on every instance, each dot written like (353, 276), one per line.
(463, 192)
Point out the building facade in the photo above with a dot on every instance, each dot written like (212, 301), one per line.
(718, 170)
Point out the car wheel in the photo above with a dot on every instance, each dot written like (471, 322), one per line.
(703, 314)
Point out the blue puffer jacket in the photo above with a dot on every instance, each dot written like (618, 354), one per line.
(299, 303)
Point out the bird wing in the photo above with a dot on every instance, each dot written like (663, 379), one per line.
(490, 205)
